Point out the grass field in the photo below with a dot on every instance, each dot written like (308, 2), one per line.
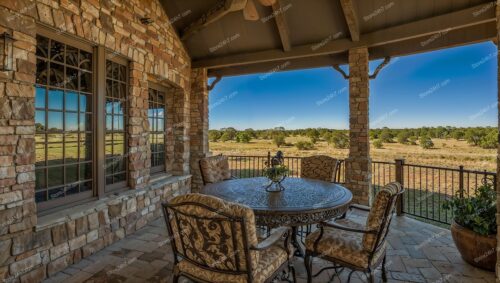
(446, 152)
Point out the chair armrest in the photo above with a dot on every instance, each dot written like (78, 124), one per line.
(233, 177)
(360, 207)
(345, 228)
(271, 240)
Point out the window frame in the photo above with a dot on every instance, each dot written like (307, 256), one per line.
(165, 90)
(50, 205)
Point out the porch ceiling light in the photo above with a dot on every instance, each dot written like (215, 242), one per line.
(6, 52)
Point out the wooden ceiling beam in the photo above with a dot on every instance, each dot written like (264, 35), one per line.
(351, 18)
(284, 32)
(433, 28)
(221, 8)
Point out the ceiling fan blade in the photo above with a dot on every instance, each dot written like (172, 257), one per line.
(267, 2)
(250, 11)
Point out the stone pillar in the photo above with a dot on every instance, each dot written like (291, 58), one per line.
(139, 149)
(358, 164)
(181, 132)
(199, 123)
(497, 39)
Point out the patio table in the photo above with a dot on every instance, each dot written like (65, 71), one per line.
(303, 202)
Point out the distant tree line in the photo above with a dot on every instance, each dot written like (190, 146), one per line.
(484, 137)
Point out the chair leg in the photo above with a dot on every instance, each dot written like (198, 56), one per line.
(292, 270)
(308, 264)
(175, 279)
(371, 277)
(384, 274)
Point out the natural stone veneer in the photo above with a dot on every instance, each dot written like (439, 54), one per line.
(358, 164)
(34, 247)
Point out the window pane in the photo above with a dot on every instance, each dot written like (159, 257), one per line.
(56, 51)
(56, 193)
(56, 75)
(56, 176)
(42, 46)
(72, 56)
(85, 60)
(71, 101)
(55, 99)
(71, 78)
(40, 97)
(55, 153)
(40, 121)
(55, 121)
(40, 179)
(42, 71)
(71, 152)
(40, 153)
(71, 174)
(71, 122)
(84, 106)
(86, 81)
(86, 171)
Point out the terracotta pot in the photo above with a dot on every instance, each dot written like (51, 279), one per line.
(477, 250)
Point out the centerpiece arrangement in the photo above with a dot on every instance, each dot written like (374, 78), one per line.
(276, 172)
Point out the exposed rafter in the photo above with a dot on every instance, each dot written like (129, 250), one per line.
(433, 28)
(351, 18)
(221, 8)
(283, 30)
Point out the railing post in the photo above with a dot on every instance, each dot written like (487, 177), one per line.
(268, 158)
(400, 179)
(461, 181)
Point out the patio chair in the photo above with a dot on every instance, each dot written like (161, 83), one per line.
(358, 247)
(216, 241)
(215, 169)
(320, 167)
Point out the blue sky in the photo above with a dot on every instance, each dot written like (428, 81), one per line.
(453, 87)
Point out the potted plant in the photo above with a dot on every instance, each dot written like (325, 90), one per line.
(474, 226)
(276, 174)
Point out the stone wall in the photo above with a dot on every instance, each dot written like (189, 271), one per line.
(30, 250)
(358, 164)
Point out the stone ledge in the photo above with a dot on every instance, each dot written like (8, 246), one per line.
(71, 213)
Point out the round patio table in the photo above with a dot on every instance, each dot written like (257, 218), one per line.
(302, 202)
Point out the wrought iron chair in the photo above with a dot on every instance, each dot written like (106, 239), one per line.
(320, 167)
(216, 241)
(348, 244)
(215, 169)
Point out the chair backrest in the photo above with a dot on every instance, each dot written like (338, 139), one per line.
(380, 216)
(215, 169)
(211, 233)
(320, 167)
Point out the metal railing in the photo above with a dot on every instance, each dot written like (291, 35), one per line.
(426, 187)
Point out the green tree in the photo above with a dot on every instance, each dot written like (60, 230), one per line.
(490, 140)
(473, 136)
(214, 135)
(243, 137)
(225, 137)
(458, 135)
(251, 132)
(386, 136)
(413, 140)
(426, 142)
(378, 143)
(279, 139)
(403, 137)
(339, 140)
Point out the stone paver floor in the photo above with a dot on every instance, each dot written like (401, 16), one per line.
(418, 252)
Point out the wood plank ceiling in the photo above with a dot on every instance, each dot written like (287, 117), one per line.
(229, 38)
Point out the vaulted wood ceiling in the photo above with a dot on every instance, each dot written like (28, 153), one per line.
(276, 35)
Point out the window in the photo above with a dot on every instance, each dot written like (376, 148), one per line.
(63, 121)
(115, 128)
(157, 134)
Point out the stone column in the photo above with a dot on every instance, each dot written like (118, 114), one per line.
(199, 123)
(497, 39)
(358, 164)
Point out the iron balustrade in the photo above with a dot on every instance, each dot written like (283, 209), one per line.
(426, 187)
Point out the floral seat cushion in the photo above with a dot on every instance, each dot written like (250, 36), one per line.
(343, 245)
(215, 169)
(269, 261)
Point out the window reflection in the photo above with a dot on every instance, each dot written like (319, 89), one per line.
(156, 114)
(63, 117)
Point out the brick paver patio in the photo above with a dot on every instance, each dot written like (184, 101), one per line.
(418, 252)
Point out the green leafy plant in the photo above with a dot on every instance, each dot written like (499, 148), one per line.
(477, 212)
(378, 144)
(275, 173)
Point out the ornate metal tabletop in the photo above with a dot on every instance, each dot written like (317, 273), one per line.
(303, 202)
